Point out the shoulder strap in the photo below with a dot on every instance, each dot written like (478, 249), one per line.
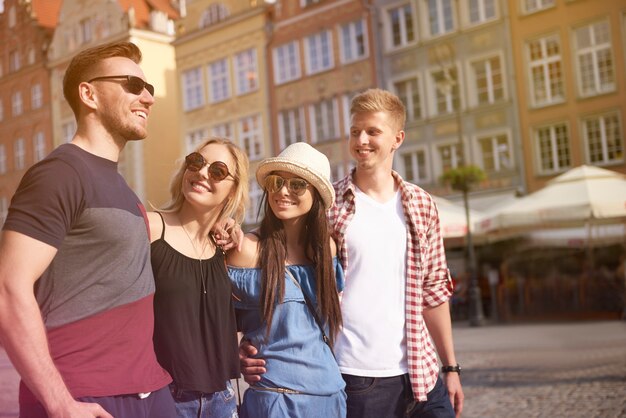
(312, 310)
(162, 223)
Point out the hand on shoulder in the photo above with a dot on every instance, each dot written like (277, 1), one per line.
(248, 256)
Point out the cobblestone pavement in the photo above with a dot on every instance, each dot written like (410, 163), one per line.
(566, 370)
(548, 370)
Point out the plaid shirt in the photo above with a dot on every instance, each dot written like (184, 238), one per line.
(428, 282)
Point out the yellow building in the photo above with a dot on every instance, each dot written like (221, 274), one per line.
(146, 165)
(221, 75)
(571, 79)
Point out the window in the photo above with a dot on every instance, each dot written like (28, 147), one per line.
(247, 72)
(324, 121)
(254, 211)
(445, 82)
(346, 99)
(595, 62)
(194, 138)
(286, 63)
(85, 34)
(39, 147)
(337, 172)
(409, 92)
(1, 110)
(440, 17)
(603, 139)
(14, 60)
(546, 74)
(353, 41)
(290, 127)
(305, 3)
(213, 14)
(19, 154)
(17, 103)
(319, 52)
(495, 153)
(31, 55)
(250, 135)
(36, 96)
(553, 147)
(4, 209)
(489, 83)
(531, 6)
(3, 159)
(481, 11)
(220, 81)
(450, 156)
(402, 31)
(414, 162)
(12, 16)
(223, 130)
(68, 129)
(193, 89)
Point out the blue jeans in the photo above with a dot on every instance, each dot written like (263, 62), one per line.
(392, 397)
(193, 404)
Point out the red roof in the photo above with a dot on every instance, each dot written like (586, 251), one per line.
(143, 8)
(46, 12)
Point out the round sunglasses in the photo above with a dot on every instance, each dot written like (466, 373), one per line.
(274, 183)
(134, 84)
(218, 170)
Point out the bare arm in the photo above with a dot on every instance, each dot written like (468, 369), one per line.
(22, 332)
(439, 326)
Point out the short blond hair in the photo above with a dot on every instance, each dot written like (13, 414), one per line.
(378, 100)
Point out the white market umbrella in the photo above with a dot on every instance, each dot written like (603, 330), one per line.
(582, 196)
(452, 218)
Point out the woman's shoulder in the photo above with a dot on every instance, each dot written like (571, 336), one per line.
(155, 223)
(248, 256)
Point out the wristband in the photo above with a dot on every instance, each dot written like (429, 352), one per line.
(451, 369)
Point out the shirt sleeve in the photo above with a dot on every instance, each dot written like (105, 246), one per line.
(47, 202)
(437, 280)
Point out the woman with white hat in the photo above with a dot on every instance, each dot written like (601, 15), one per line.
(285, 281)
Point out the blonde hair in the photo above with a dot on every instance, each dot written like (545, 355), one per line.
(378, 100)
(235, 204)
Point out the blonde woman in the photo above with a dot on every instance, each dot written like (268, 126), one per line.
(195, 330)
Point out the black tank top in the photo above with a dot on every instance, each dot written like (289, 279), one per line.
(195, 337)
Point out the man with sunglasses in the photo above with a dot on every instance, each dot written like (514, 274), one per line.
(76, 286)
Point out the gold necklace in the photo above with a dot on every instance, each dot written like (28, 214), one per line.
(206, 242)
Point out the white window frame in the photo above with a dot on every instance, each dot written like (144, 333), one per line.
(213, 14)
(324, 121)
(251, 139)
(194, 138)
(440, 17)
(286, 61)
(554, 148)
(255, 193)
(296, 125)
(4, 209)
(306, 3)
(413, 152)
(219, 80)
(493, 137)
(247, 71)
(349, 34)
(15, 60)
(17, 104)
(447, 96)
(402, 9)
(19, 154)
(223, 130)
(482, 8)
(594, 50)
(193, 89)
(85, 31)
(3, 159)
(456, 157)
(604, 138)
(12, 16)
(39, 146)
(68, 129)
(1, 109)
(407, 96)
(36, 96)
(535, 5)
(490, 73)
(544, 64)
(319, 55)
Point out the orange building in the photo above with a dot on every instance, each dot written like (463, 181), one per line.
(571, 79)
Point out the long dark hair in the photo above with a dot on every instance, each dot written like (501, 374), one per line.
(273, 253)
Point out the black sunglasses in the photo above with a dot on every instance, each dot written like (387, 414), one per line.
(218, 170)
(134, 84)
(273, 183)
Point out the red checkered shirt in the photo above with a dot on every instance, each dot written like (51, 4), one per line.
(428, 282)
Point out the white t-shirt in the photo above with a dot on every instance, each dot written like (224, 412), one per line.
(373, 339)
